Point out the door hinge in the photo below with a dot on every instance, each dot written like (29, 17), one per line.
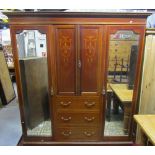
(79, 63)
(52, 91)
(103, 91)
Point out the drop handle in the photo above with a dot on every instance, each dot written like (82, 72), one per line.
(89, 119)
(89, 104)
(65, 104)
(88, 134)
(66, 134)
(66, 119)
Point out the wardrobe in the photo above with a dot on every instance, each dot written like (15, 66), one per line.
(76, 46)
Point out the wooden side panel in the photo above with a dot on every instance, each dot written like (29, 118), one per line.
(65, 57)
(6, 88)
(90, 52)
(147, 104)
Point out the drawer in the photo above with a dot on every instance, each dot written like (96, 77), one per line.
(77, 102)
(87, 119)
(77, 134)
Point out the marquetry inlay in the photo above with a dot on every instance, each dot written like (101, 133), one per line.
(65, 48)
(90, 44)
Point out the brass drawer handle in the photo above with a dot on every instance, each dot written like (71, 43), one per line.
(89, 119)
(88, 134)
(65, 104)
(66, 134)
(66, 119)
(89, 104)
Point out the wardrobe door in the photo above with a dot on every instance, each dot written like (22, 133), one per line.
(123, 76)
(78, 56)
(31, 61)
(65, 51)
(91, 55)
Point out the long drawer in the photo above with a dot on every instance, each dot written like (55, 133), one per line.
(77, 118)
(83, 118)
(75, 102)
(78, 134)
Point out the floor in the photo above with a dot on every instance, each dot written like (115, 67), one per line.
(114, 127)
(43, 129)
(10, 128)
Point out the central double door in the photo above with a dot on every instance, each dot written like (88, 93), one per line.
(78, 63)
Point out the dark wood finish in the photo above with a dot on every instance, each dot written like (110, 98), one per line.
(78, 57)
(77, 134)
(127, 117)
(78, 14)
(44, 18)
(76, 26)
(132, 66)
(90, 43)
(72, 118)
(77, 113)
(34, 79)
(108, 106)
(77, 51)
(65, 57)
(77, 102)
(126, 107)
(49, 142)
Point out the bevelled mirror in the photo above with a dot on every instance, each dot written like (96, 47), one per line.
(122, 60)
(32, 55)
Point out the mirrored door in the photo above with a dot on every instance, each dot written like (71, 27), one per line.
(123, 54)
(33, 68)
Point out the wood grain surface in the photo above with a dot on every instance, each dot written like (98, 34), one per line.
(146, 123)
(5, 81)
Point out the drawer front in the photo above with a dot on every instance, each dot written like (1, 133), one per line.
(89, 103)
(75, 133)
(85, 119)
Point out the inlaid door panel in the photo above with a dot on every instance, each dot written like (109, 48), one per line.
(90, 50)
(65, 59)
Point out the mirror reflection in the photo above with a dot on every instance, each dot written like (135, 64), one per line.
(123, 51)
(32, 53)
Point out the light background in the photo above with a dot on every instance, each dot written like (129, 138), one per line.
(77, 4)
